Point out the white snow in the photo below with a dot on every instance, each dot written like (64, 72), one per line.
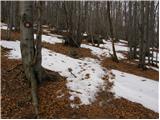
(54, 35)
(124, 41)
(50, 39)
(96, 50)
(15, 52)
(84, 34)
(3, 26)
(106, 48)
(84, 77)
(76, 71)
(137, 89)
(154, 55)
(79, 83)
(119, 46)
(153, 68)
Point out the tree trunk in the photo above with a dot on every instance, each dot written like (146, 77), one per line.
(38, 45)
(142, 43)
(130, 31)
(135, 34)
(111, 30)
(28, 48)
(147, 32)
(9, 20)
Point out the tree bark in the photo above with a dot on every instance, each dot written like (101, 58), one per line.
(142, 41)
(38, 45)
(28, 48)
(111, 30)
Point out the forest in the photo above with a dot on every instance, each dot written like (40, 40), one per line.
(79, 59)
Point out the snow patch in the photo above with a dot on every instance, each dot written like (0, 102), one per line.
(96, 51)
(3, 26)
(137, 89)
(153, 68)
(85, 34)
(76, 71)
(15, 52)
(105, 49)
(84, 77)
(50, 39)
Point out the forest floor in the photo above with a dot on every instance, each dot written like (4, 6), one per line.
(55, 96)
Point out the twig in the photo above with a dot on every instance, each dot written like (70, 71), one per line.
(70, 70)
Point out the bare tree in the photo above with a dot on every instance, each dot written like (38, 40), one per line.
(111, 31)
(142, 39)
(78, 17)
(30, 49)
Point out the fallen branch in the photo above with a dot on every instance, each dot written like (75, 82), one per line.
(70, 70)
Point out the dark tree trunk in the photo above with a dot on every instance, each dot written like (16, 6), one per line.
(9, 20)
(111, 30)
(142, 40)
(73, 22)
(147, 32)
(130, 31)
(38, 46)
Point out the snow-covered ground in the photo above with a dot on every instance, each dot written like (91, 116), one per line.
(100, 52)
(119, 46)
(84, 76)
(96, 51)
(124, 41)
(52, 38)
(15, 52)
(153, 68)
(107, 48)
(137, 89)
(3, 26)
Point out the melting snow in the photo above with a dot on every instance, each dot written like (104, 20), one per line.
(96, 50)
(83, 76)
(15, 52)
(107, 48)
(136, 89)
(85, 34)
(3, 26)
(153, 68)
(50, 39)
(124, 41)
